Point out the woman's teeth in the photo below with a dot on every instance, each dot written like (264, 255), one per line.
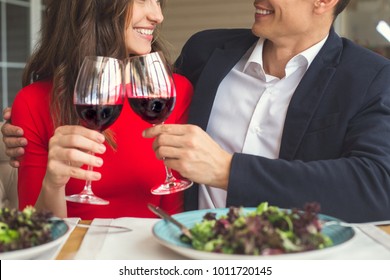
(145, 31)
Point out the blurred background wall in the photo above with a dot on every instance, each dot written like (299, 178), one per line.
(185, 17)
(20, 23)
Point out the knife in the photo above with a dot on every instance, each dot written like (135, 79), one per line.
(161, 213)
(377, 235)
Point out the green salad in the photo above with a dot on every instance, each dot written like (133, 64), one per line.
(24, 229)
(268, 230)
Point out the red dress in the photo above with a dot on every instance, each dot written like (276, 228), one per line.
(127, 174)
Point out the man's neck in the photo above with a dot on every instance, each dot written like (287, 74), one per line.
(277, 53)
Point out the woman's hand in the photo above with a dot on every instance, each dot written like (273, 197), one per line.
(69, 149)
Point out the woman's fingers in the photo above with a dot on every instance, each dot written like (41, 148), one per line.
(59, 172)
(79, 137)
(70, 148)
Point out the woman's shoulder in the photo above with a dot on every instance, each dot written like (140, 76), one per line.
(183, 85)
(35, 90)
(180, 79)
(32, 99)
(184, 90)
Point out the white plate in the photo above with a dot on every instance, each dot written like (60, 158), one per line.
(169, 236)
(59, 232)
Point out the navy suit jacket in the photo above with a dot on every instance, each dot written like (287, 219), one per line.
(335, 147)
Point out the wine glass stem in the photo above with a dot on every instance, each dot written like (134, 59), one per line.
(170, 178)
(88, 184)
(88, 187)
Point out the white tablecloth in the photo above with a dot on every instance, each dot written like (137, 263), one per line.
(140, 244)
(105, 243)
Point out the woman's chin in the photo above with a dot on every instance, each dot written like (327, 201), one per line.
(140, 50)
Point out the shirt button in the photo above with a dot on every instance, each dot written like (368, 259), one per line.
(258, 130)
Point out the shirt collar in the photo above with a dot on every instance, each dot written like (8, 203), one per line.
(312, 52)
(257, 54)
(305, 57)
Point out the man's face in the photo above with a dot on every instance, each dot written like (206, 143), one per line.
(278, 19)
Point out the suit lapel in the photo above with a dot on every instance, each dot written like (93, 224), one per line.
(217, 67)
(308, 95)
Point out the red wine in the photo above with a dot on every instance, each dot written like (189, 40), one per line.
(152, 110)
(98, 117)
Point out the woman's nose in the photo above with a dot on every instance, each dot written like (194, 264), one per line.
(155, 13)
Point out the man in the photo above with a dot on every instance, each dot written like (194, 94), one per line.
(15, 143)
(293, 114)
(8, 179)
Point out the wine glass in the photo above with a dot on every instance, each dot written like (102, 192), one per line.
(98, 99)
(151, 93)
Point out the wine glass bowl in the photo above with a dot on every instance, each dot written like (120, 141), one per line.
(152, 110)
(151, 93)
(98, 117)
(150, 89)
(98, 100)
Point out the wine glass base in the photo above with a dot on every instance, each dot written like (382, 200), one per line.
(87, 199)
(171, 187)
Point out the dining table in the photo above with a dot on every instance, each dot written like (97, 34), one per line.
(92, 240)
(137, 252)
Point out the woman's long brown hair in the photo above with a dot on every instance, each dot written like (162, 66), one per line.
(71, 30)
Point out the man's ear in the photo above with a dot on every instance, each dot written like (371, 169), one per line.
(324, 6)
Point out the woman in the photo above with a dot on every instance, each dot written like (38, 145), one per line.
(57, 152)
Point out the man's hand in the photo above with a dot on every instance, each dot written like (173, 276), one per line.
(13, 139)
(192, 152)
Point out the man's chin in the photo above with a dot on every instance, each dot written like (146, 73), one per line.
(256, 32)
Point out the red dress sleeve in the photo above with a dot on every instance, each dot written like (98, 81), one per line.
(30, 112)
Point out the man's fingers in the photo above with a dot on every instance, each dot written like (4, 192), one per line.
(172, 129)
(14, 163)
(14, 153)
(169, 141)
(7, 113)
(15, 142)
(10, 130)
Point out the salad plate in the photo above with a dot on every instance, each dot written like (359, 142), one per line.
(169, 236)
(59, 232)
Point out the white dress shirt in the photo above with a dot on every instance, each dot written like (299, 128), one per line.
(259, 105)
